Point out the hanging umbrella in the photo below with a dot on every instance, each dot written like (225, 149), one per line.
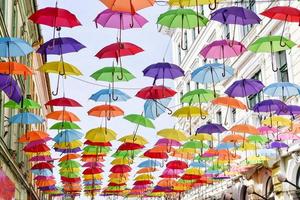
(282, 89)
(278, 145)
(118, 50)
(26, 118)
(203, 137)
(163, 70)
(129, 146)
(71, 156)
(229, 102)
(127, 5)
(14, 47)
(24, 104)
(105, 95)
(140, 120)
(120, 20)
(198, 96)
(15, 69)
(62, 69)
(10, 87)
(67, 136)
(121, 161)
(153, 110)
(134, 139)
(156, 155)
(32, 136)
(64, 125)
(182, 18)
(146, 170)
(120, 169)
(283, 13)
(189, 112)
(177, 164)
(271, 44)
(235, 15)
(107, 111)
(211, 74)
(63, 115)
(172, 134)
(221, 49)
(64, 102)
(37, 149)
(288, 136)
(149, 163)
(42, 165)
(100, 135)
(211, 128)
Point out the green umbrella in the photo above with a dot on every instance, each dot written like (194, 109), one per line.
(112, 75)
(92, 187)
(96, 149)
(125, 154)
(64, 125)
(25, 104)
(182, 18)
(198, 96)
(186, 181)
(140, 120)
(271, 44)
(257, 139)
(70, 174)
(69, 164)
(195, 145)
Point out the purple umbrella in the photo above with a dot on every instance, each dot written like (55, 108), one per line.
(289, 110)
(37, 142)
(76, 150)
(44, 177)
(10, 87)
(93, 164)
(41, 158)
(163, 71)
(59, 46)
(167, 142)
(277, 145)
(221, 49)
(244, 87)
(211, 128)
(270, 105)
(235, 15)
(53, 187)
(120, 20)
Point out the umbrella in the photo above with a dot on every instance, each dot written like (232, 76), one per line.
(121, 161)
(37, 149)
(42, 165)
(134, 139)
(64, 125)
(182, 18)
(198, 96)
(282, 89)
(105, 95)
(26, 118)
(24, 104)
(211, 128)
(221, 49)
(127, 5)
(120, 20)
(140, 120)
(283, 13)
(10, 87)
(271, 44)
(100, 135)
(55, 17)
(120, 169)
(211, 73)
(15, 68)
(14, 47)
(67, 136)
(235, 15)
(71, 156)
(149, 163)
(153, 110)
(163, 70)
(278, 145)
(63, 115)
(106, 111)
(33, 136)
(129, 146)
(118, 50)
(189, 112)
(62, 69)
(64, 102)
(146, 170)
(229, 102)
(156, 155)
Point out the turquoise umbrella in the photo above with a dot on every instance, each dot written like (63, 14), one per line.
(26, 118)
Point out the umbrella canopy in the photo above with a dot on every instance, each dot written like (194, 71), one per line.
(15, 68)
(107, 111)
(282, 89)
(129, 146)
(149, 163)
(24, 104)
(172, 134)
(153, 109)
(134, 138)
(211, 128)
(26, 118)
(14, 47)
(10, 87)
(127, 5)
(63, 115)
(100, 135)
(67, 136)
(61, 68)
(105, 95)
(64, 102)
(33, 136)
(269, 105)
(64, 125)
(120, 169)
(111, 74)
(139, 120)
(244, 87)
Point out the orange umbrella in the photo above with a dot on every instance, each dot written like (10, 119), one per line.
(107, 111)
(15, 68)
(127, 5)
(167, 182)
(183, 155)
(244, 128)
(33, 136)
(146, 170)
(70, 156)
(162, 149)
(234, 138)
(119, 175)
(229, 102)
(63, 115)
(45, 183)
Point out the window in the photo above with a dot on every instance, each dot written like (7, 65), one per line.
(233, 115)
(219, 117)
(250, 4)
(185, 40)
(194, 35)
(282, 75)
(179, 54)
(227, 31)
(254, 99)
(197, 85)
(188, 86)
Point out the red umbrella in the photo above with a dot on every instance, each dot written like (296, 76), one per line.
(130, 146)
(118, 50)
(42, 165)
(120, 169)
(155, 92)
(177, 164)
(65, 102)
(70, 180)
(156, 155)
(190, 177)
(146, 182)
(169, 176)
(283, 13)
(92, 170)
(100, 144)
(37, 148)
(116, 184)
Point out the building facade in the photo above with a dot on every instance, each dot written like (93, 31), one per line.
(249, 65)
(13, 161)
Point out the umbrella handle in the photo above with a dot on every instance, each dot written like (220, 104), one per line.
(113, 97)
(183, 48)
(162, 105)
(198, 25)
(57, 87)
(201, 114)
(213, 6)
(122, 74)
(282, 43)
(132, 22)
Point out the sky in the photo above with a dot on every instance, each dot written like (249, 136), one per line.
(154, 44)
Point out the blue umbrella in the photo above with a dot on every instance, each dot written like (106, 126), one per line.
(153, 110)
(282, 89)
(67, 136)
(26, 118)
(96, 182)
(225, 146)
(198, 164)
(106, 95)
(42, 172)
(13, 47)
(149, 163)
(211, 73)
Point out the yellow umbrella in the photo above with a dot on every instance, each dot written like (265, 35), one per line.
(134, 139)
(189, 112)
(172, 134)
(61, 68)
(92, 176)
(183, 155)
(118, 180)
(202, 137)
(144, 177)
(121, 161)
(247, 147)
(46, 153)
(188, 150)
(258, 158)
(100, 135)
(69, 170)
(68, 145)
(191, 3)
(156, 194)
(278, 121)
(194, 171)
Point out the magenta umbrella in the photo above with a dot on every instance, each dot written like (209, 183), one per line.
(221, 49)
(120, 20)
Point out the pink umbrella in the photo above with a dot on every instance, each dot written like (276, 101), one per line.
(221, 49)
(93, 164)
(288, 136)
(169, 171)
(120, 20)
(44, 177)
(265, 130)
